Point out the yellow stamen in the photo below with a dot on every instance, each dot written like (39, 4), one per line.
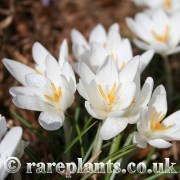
(161, 38)
(57, 93)
(110, 98)
(38, 72)
(167, 4)
(156, 126)
(113, 56)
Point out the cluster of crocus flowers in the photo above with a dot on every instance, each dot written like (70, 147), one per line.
(101, 44)
(156, 31)
(109, 80)
(10, 144)
(49, 87)
(169, 6)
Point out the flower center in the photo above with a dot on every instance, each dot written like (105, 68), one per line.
(167, 4)
(156, 126)
(161, 38)
(110, 97)
(57, 94)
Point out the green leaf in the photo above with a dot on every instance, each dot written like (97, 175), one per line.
(78, 137)
(115, 156)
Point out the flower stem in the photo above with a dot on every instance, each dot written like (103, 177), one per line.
(169, 77)
(97, 143)
(67, 133)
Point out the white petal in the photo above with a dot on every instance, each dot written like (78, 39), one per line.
(174, 51)
(145, 93)
(109, 68)
(129, 71)
(97, 56)
(85, 73)
(172, 133)
(137, 139)
(158, 91)
(51, 120)
(112, 127)
(18, 70)
(78, 38)
(98, 34)
(159, 143)
(36, 80)
(30, 103)
(10, 141)
(3, 126)
(21, 90)
(39, 53)
(63, 53)
(53, 71)
(145, 59)
(159, 100)
(126, 94)
(98, 114)
(142, 45)
(82, 90)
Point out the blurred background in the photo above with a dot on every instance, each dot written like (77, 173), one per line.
(23, 22)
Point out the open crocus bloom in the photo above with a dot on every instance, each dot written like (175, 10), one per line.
(170, 6)
(19, 70)
(102, 44)
(153, 128)
(156, 31)
(51, 92)
(108, 93)
(10, 141)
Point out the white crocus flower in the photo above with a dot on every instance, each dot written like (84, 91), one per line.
(102, 44)
(170, 6)
(108, 93)
(50, 88)
(153, 128)
(10, 142)
(52, 94)
(39, 53)
(156, 31)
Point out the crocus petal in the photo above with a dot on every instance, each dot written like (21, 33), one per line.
(145, 59)
(8, 146)
(17, 70)
(21, 90)
(142, 45)
(159, 100)
(39, 53)
(159, 143)
(174, 51)
(145, 93)
(78, 38)
(112, 127)
(85, 72)
(139, 141)
(126, 94)
(63, 53)
(110, 67)
(51, 120)
(98, 34)
(3, 126)
(129, 71)
(53, 71)
(96, 57)
(30, 103)
(98, 114)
